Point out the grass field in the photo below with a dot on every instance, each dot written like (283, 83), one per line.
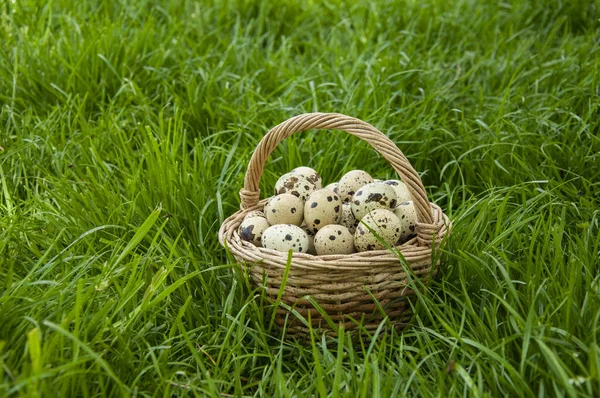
(125, 130)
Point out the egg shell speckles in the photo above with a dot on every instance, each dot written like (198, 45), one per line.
(376, 195)
(255, 213)
(334, 239)
(380, 222)
(407, 214)
(310, 174)
(285, 209)
(323, 207)
(402, 194)
(352, 182)
(252, 230)
(347, 219)
(295, 184)
(285, 237)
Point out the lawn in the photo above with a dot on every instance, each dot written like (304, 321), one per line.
(125, 132)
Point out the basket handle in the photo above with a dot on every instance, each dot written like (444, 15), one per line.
(250, 194)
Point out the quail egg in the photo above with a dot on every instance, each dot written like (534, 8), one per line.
(296, 184)
(252, 230)
(407, 214)
(285, 237)
(347, 218)
(402, 194)
(352, 182)
(376, 195)
(378, 224)
(323, 207)
(311, 239)
(285, 209)
(334, 239)
(310, 174)
(255, 213)
(333, 186)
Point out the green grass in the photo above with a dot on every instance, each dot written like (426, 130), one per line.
(126, 127)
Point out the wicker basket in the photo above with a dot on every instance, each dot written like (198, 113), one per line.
(344, 286)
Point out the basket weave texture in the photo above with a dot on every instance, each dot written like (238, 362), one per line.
(344, 286)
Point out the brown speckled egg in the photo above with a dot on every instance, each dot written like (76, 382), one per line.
(334, 239)
(376, 195)
(295, 184)
(285, 209)
(380, 222)
(407, 214)
(285, 237)
(310, 174)
(311, 239)
(323, 207)
(255, 213)
(352, 182)
(402, 194)
(333, 186)
(347, 219)
(252, 229)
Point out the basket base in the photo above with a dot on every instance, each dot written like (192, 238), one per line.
(303, 317)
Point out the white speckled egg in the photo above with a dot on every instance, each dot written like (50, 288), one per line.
(285, 237)
(347, 219)
(376, 180)
(334, 239)
(255, 213)
(407, 214)
(296, 184)
(380, 222)
(323, 207)
(285, 209)
(310, 174)
(376, 195)
(311, 239)
(402, 194)
(252, 230)
(333, 186)
(352, 182)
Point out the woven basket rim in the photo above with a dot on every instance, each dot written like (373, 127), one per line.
(414, 248)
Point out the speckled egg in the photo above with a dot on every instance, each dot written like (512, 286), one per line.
(334, 239)
(380, 222)
(311, 239)
(310, 174)
(295, 184)
(376, 195)
(285, 209)
(352, 182)
(255, 213)
(285, 237)
(323, 207)
(402, 194)
(333, 186)
(407, 214)
(347, 219)
(252, 230)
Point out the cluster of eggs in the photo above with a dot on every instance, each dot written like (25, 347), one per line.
(358, 213)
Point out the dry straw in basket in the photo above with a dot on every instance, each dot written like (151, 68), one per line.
(344, 286)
